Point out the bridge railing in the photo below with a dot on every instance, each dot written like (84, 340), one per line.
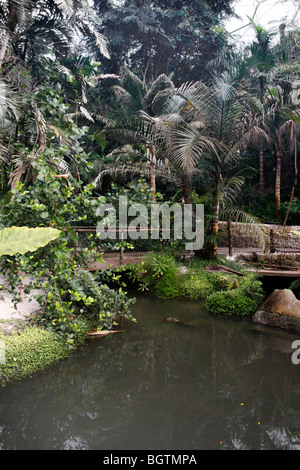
(120, 231)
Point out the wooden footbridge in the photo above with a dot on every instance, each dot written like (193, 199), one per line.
(122, 257)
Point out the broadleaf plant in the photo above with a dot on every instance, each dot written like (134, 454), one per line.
(20, 240)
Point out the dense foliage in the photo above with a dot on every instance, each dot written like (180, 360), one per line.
(155, 37)
(223, 293)
(147, 101)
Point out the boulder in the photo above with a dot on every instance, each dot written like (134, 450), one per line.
(283, 302)
(282, 310)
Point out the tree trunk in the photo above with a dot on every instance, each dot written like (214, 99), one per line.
(151, 159)
(294, 184)
(186, 193)
(215, 227)
(278, 184)
(261, 174)
(187, 184)
(230, 241)
(152, 178)
(212, 245)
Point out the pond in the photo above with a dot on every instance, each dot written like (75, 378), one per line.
(216, 383)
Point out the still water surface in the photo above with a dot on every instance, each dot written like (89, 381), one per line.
(219, 383)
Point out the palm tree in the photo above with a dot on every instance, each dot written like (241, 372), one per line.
(230, 189)
(210, 120)
(261, 62)
(53, 22)
(137, 102)
(282, 117)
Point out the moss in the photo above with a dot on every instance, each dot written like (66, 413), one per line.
(31, 351)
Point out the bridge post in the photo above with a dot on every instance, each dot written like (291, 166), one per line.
(272, 243)
(121, 251)
(76, 244)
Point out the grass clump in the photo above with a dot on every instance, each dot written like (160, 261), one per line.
(31, 351)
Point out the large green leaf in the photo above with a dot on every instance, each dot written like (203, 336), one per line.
(15, 240)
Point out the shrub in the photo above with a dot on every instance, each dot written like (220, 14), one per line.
(157, 273)
(231, 302)
(168, 285)
(223, 281)
(158, 265)
(73, 298)
(251, 286)
(195, 286)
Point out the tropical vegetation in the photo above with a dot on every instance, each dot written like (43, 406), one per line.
(151, 101)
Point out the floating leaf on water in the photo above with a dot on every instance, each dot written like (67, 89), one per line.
(103, 332)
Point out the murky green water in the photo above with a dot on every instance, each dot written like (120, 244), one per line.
(219, 384)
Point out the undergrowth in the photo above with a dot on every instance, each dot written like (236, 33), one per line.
(223, 293)
(32, 351)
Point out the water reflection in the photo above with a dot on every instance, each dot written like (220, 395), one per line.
(220, 383)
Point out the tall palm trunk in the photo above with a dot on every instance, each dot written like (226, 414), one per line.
(187, 184)
(230, 240)
(295, 176)
(261, 189)
(215, 225)
(151, 159)
(152, 178)
(212, 245)
(278, 184)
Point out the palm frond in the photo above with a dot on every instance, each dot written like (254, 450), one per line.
(102, 44)
(9, 103)
(86, 114)
(161, 84)
(3, 154)
(67, 7)
(230, 188)
(133, 129)
(133, 85)
(252, 223)
(21, 9)
(128, 172)
(188, 146)
(224, 88)
(126, 100)
(195, 92)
